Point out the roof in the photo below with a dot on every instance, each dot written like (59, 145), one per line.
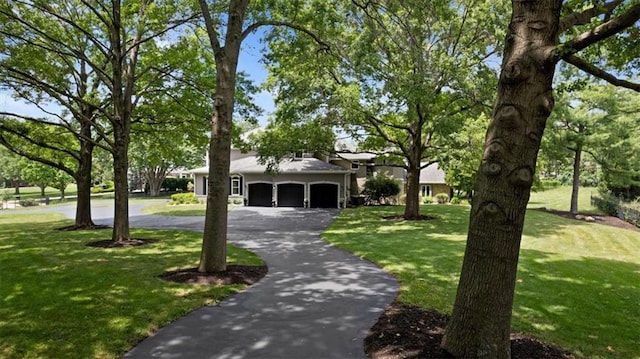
(360, 156)
(305, 165)
(432, 174)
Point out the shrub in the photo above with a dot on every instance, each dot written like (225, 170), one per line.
(184, 198)
(456, 200)
(176, 184)
(28, 202)
(442, 198)
(238, 201)
(427, 199)
(380, 188)
(190, 186)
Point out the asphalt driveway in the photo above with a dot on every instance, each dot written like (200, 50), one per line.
(317, 301)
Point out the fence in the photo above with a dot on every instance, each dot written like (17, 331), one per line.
(617, 209)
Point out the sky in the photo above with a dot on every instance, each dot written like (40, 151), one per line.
(249, 62)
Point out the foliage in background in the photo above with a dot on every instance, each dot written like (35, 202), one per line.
(380, 189)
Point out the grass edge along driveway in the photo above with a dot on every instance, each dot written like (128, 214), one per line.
(577, 285)
(62, 299)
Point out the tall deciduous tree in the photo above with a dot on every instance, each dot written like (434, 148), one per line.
(225, 25)
(99, 45)
(540, 34)
(398, 78)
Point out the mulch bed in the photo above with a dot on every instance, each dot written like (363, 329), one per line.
(405, 331)
(606, 220)
(133, 242)
(235, 274)
(76, 227)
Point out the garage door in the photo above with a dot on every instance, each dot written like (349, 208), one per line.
(290, 195)
(323, 195)
(260, 194)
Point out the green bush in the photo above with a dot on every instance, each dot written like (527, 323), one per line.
(442, 198)
(456, 200)
(28, 202)
(176, 184)
(184, 198)
(380, 188)
(427, 199)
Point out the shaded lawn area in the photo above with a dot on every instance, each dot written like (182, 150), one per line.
(577, 287)
(62, 299)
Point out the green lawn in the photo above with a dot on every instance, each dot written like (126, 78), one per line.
(61, 299)
(578, 283)
(34, 192)
(559, 198)
(165, 209)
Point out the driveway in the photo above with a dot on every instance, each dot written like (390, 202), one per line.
(317, 301)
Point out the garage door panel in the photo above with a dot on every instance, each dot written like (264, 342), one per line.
(323, 195)
(260, 194)
(290, 195)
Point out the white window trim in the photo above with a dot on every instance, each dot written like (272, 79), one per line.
(235, 186)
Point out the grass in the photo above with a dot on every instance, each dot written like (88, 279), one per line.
(61, 299)
(182, 210)
(559, 198)
(34, 192)
(577, 282)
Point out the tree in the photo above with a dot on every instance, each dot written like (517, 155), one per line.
(99, 46)
(10, 171)
(462, 159)
(226, 32)
(38, 174)
(399, 77)
(540, 34)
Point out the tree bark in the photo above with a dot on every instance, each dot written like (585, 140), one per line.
(412, 201)
(83, 177)
(577, 158)
(213, 257)
(121, 230)
(481, 319)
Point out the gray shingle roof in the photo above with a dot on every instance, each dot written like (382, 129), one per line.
(432, 174)
(305, 165)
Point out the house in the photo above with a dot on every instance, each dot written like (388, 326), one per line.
(302, 181)
(306, 181)
(432, 182)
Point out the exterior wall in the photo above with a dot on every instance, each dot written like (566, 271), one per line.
(198, 185)
(436, 188)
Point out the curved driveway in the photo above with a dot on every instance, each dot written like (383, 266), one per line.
(317, 301)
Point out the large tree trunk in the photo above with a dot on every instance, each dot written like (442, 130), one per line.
(213, 257)
(480, 323)
(577, 158)
(154, 177)
(83, 178)
(121, 181)
(412, 200)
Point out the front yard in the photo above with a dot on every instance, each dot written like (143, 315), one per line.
(577, 287)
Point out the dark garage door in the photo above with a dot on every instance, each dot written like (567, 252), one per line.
(260, 194)
(290, 195)
(324, 195)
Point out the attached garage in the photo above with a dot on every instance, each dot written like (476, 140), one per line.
(290, 195)
(323, 195)
(260, 194)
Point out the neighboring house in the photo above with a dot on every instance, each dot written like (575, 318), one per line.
(305, 181)
(432, 182)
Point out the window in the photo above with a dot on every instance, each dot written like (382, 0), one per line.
(235, 186)
(426, 191)
(298, 155)
(355, 165)
(370, 170)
